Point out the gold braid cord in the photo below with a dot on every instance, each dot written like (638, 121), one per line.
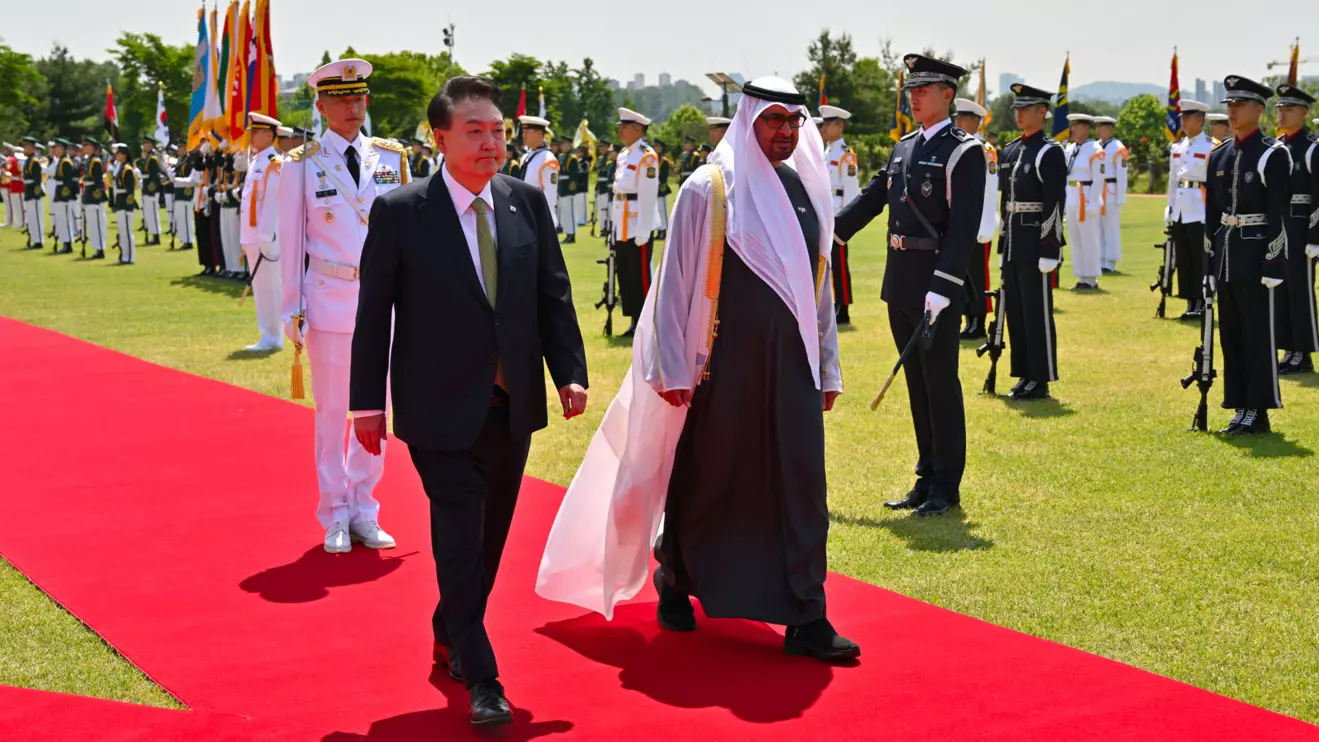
(715, 270)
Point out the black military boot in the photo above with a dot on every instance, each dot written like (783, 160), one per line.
(819, 640)
(1234, 423)
(975, 329)
(674, 612)
(1031, 390)
(1254, 422)
(842, 316)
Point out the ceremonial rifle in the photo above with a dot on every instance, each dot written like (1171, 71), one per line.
(1164, 283)
(609, 300)
(994, 344)
(1203, 373)
(923, 335)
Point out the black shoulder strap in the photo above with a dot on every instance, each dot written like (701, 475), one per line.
(906, 196)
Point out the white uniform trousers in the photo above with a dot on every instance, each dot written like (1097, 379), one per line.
(267, 292)
(14, 209)
(151, 215)
(229, 236)
(579, 207)
(1083, 238)
(36, 224)
(662, 213)
(347, 480)
(183, 220)
(93, 220)
(1111, 237)
(65, 216)
(127, 245)
(567, 219)
(601, 210)
(169, 210)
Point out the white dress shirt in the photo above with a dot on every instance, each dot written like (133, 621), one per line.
(462, 204)
(928, 134)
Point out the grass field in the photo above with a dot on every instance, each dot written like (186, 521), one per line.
(1094, 520)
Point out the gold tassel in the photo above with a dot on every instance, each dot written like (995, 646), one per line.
(297, 392)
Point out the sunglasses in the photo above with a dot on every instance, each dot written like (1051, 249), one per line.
(777, 120)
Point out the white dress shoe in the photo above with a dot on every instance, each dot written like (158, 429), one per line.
(371, 536)
(263, 346)
(337, 540)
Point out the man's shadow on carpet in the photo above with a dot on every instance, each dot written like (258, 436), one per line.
(313, 574)
(451, 722)
(733, 664)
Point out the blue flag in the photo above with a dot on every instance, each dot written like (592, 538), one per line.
(1061, 128)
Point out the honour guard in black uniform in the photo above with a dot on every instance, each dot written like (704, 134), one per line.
(1298, 327)
(688, 161)
(604, 180)
(34, 194)
(934, 188)
(419, 162)
(569, 180)
(1248, 196)
(152, 170)
(125, 203)
(1032, 178)
(64, 203)
(662, 205)
(93, 199)
(510, 166)
(581, 196)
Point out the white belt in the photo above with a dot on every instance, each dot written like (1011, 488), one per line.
(332, 269)
(1025, 207)
(1244, 220)
(1301, 198)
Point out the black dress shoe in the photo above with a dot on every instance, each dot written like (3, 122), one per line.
(1017, 387)
(818, 639)
(975, 330)
(1031, 390)
(1254, 422)
(100, 255)
(841, 316)
(448, 657)
(68, 248)
(489, 706)
(1234, 423)
(937, 506)
(674, 612)
(1295, 363)
(570, 239)
(186, 246)
(914, 499)
(631, 329)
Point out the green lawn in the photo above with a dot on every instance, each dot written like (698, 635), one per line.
(1095, 521)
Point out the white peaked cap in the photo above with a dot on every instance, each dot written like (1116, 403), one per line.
(533, 121)
(628, 116)
(261, 121)
(966, 106)
(834, 112)
(284, 131)
(1105, 120)
(1080, 118)
(713, 121)
(1223, 117)
(1191, 106)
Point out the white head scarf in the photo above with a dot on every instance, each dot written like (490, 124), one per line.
(762, 225)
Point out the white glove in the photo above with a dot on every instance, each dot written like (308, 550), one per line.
(1047, 265)
(1312, 251)
(1271, 283)
(935, 303)
(293, 333)
(1167, 215)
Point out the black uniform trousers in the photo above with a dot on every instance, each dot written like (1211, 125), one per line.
(842, 274)
(632, 262)
(936, 403)
(472, 495)
(1188, 241)
(977, 283)
(202, 222)
(1247, 313)
(1033, 347)
(1298, 325)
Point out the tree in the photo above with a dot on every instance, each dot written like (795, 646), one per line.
(561, 106)
(19, 80)
(687, 121)
(833, 58)
(595, 100)
(511, 76)
(146, 63)
(325, 58)
(72, 102)
(402, 84)
(1141, 126)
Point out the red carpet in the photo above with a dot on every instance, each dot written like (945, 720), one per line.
(133, 498)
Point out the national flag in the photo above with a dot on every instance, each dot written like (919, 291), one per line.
(212, 116)
(541, 91)
(224, 67)
(982, 99)
(236, 87)
(111, 115)
(902, 125)
(249, 43)
(1061, 128)
(1293, 70)
(1172, 127)
(265, 91)
(522, 103)
(162, 122)
(824, 92)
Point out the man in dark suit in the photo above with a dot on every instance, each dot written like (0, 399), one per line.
(468, 266)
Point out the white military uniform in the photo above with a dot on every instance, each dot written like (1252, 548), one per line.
(258, 230)
(1085, 193)
(323, 214)
(636, 191)
(844, 178)
(230, 228)
(1115, 197)
(185, 217)
(541, 169)
(1188, 164)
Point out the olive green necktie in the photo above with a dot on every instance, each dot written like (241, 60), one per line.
(485, 246)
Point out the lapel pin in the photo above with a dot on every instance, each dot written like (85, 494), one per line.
(513, 208)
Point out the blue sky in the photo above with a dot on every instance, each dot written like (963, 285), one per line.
(1127, 40)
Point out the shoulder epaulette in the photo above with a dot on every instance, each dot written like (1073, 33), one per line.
(958, 134)
(387, 144)
(1218, 142)
(1271, 142)
(910, 135)
(306, 150)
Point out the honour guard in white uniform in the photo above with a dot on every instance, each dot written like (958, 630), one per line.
(1085, 194)
(718, 128)
(539, 166)
(1219, 129)
(1188, 163)
(969, 118)
(1115, 192)
(326, 189)
(259, 227)
(844, 185)
(636, 190)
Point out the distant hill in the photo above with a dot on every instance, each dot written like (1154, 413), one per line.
(1114, 92)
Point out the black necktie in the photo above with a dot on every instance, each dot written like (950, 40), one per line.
(354, 169)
